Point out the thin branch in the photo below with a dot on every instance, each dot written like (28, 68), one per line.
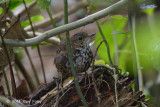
(38, 48)
(102, 35)
(93, 79)
(53, 22)
(84, 21)
(23, 10)
(115, 86)
(57, 17)
(32, 65)
(70, 57)
(6, 80)
(9, 61)
(11, 70)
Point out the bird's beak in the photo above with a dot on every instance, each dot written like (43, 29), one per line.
(90, 35)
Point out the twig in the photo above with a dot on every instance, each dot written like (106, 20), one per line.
(52, 20)
(32, 65)
(84, 21)
(102, 35)
(115, 86)
(70, 57)
(38, 48)
(57, 96)
(11, 70)
(57, 17)
(6, 80)
(9, 61)
(22, 10)
(93, 79)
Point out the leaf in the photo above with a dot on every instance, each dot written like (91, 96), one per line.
(149, 11)
(34, 47)
(15, 3)
(42, 43)
(44, 3)
(107, 29)
(115, 17)
(1, 10)
(45, 44)
(33, 19)
(97, 62)
(17, 49)
(15, 31)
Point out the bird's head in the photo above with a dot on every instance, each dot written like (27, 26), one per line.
(81, 38)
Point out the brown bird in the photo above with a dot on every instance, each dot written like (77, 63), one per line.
(81, 54)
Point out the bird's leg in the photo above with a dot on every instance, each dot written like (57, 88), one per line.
(61, 86)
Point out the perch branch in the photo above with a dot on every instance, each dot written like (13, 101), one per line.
(84, 21)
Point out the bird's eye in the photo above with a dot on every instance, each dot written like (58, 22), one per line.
(80, 38)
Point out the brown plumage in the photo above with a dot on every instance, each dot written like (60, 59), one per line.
(81, 53)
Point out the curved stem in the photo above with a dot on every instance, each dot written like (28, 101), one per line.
(52, 20)
(84, 21)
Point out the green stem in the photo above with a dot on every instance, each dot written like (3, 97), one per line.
(32, 65)
(52, 20)
(6, 80)
(102, 35)
(70, 57)
(133, 49)
(11, 70)
(38, 49)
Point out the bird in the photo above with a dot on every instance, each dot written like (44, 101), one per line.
(81, 53)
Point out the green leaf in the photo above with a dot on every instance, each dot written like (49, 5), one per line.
(108, 29)
(115, 17)
(1, 11)
(42, 43)
(97, 62)
(34, 47)
(33, 19)
(15, 3)
(149, 11)
(17, 49)
(44, 3)
(45, 44)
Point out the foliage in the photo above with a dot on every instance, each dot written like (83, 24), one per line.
(33, 19)
(114, 27)
(15, 3)
(44, 3)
